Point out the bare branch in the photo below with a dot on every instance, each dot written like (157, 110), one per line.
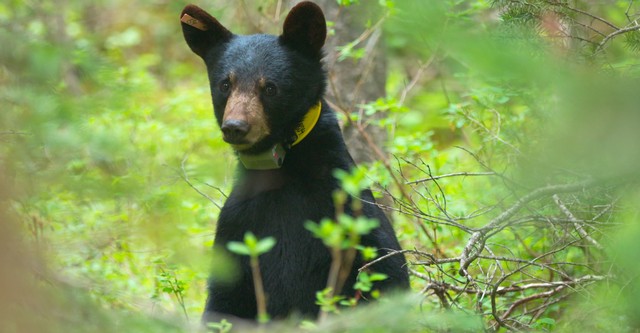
(184, 177)
(516, 288)
(566, 6)
(626, 12)
(390, 254)
(466, 258)
(529, 299)
(416, 78)
(576, 223)
(456, 174)
(535, 195)
(618, 32)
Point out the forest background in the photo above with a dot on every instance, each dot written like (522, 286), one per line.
(501, 136)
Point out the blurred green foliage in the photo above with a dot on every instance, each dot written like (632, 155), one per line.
(118, 169)
(102, 108)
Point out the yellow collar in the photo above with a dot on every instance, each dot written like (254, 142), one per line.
(308, 122)
(274, 157)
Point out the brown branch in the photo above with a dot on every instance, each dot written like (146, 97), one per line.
(626, 12)
(409, 211)
(529, 299)
(455, 174)
(534, 195)
(276, 15)
(604, 41)
(385, 161)
(367, 68)
(539, 310)
(496, 286)
(184, 177)
(586, 26)
(584, 13)
(465, 258)
(515, 288)
(390, 254)
(416, 78)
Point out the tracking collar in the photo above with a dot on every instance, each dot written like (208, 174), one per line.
(274, 157)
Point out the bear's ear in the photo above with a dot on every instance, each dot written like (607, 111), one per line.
(201, 30)
(305, 29)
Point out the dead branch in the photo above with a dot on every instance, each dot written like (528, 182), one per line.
(456, 174)
(466, 258)
(585, 13)
(185, 177)
(515, 288)
(618, 32)
(535, 195)
(529, 299)
(478, 237)
(521, 269)
(583, 233)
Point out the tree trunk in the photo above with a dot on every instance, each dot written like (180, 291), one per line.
(354, 82)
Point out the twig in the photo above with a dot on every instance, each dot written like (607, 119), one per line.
(577, 224)
(496, 286)
(588, 27)
(390, 254)
(496, 136)
(614, 34)
(531, 298)
(217, 189)
(516, 288)
(13, 133)
(416, 77)
(184, 176)
(465, 258)
(7, 135)
(539, 310)
(374, 32)
(276, 16)
(584, 13)
(250, 19)
(536, 194)
(455, 174)
(385, 161)
(626, 12)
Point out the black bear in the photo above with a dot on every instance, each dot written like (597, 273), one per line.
(268, 100)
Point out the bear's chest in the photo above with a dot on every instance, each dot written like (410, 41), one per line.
(297, 255)
(280, 213)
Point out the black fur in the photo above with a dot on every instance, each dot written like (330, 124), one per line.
(277, 202)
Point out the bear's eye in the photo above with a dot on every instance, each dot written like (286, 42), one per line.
(225, 86)
(270, 89)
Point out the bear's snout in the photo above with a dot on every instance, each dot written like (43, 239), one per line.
(244, 122)
(234, 131)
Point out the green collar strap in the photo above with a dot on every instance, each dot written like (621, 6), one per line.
(274, 157)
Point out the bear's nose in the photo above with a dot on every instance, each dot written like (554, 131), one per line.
(234, 130)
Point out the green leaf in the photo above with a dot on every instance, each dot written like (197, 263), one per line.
(369, 253)
(250, 241)
(238, 248)
(377, 277)
(265, 245)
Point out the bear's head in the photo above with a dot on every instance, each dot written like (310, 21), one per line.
(262, 86)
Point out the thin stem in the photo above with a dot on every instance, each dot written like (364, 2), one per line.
(332, 281)
(261, 299)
